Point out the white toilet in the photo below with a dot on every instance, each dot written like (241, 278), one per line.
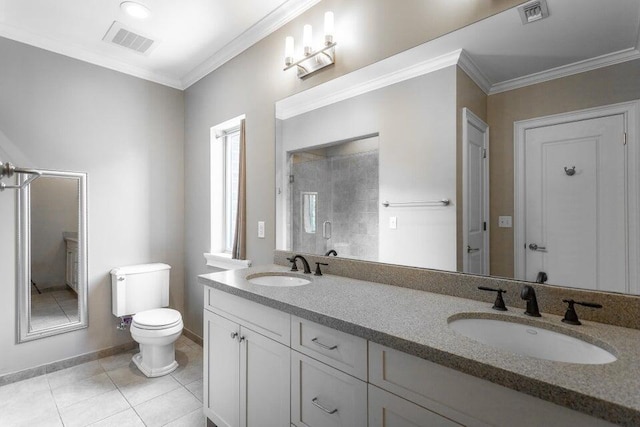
(142, 290)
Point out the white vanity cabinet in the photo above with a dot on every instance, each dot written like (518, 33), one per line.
(246, 374)
(71, 269)
(266, 368)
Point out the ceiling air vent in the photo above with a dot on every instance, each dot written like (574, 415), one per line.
(533, 11)
(124, 37)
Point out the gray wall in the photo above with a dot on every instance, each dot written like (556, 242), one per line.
(366, 31)
(128, 135)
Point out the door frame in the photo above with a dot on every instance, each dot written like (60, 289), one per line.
(631, 116)
(469, 118)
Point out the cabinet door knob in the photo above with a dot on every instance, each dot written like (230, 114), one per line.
(234, 335)
(241, 339)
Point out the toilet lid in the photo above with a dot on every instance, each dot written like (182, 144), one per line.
(157, 318)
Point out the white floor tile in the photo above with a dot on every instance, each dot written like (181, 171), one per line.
(193, 419)
(168, 407)
(95, 409)
(73, 374)
(32, 385)
(127, 418)
(138, 392)
(116, 361)
(103, 392)
(125, 375)
(82, 390)
(29, 409)
(196, 388)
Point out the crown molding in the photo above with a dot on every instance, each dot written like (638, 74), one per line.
(270, 23)
(602, 61)
(85, 55)
(474, 72)
(404, 66)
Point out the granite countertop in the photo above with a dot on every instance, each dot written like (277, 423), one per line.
(416, 322)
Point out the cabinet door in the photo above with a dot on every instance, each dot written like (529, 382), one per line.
(389, 410)
(221, 370)
(264, 381)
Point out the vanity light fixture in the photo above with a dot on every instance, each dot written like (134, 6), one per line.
(135, 10)
(313, 60)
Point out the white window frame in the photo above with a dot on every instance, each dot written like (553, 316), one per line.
(220, 255)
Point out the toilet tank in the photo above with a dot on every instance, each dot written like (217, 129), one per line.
(137, 288)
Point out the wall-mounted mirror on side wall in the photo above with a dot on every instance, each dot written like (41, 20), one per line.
(529, 133)
(52, 255)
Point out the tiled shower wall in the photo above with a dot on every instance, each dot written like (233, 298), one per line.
(347, 188)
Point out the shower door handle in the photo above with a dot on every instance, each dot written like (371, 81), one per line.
(326, 230)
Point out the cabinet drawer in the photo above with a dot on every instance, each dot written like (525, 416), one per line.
(342, 351)
(323, 396)
(265, 320)
(466, 399)
(389, 410)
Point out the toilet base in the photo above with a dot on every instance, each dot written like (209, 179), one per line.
(153, 371)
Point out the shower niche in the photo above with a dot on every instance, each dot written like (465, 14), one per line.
(333, 201)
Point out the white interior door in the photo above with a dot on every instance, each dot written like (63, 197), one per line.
(475, 194)
(575, 210)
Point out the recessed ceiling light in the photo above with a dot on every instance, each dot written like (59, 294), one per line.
(135, 10)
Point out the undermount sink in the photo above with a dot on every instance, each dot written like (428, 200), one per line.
(278, 279)
(531, 341)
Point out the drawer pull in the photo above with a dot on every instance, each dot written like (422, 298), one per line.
(317, 405)
(326, 347)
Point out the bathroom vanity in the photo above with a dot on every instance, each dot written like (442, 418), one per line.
(346, 352)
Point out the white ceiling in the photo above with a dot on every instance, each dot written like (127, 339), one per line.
(197, 36)
(194, 36)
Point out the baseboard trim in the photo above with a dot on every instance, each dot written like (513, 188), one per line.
(192, 336)
(65, 363)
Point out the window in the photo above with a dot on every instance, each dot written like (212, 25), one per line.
(231, 142)
(225, 157)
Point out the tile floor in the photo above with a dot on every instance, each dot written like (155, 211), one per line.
(53, 308)
(109, 392)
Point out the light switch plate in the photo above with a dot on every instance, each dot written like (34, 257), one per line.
(505, 222)
(393, 222)
(261, 229)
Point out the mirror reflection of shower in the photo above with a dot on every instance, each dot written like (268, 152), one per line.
(333, 199)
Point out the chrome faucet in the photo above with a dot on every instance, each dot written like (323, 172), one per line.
(529, 295)
(305, 264)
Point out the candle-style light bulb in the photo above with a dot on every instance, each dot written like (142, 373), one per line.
(328, 28)
(307, 40)
(288, 51)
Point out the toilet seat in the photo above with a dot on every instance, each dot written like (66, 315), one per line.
(159, 318)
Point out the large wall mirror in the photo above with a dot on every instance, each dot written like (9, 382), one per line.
(504, 148)
(52, 255)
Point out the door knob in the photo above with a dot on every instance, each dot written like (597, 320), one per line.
(472, 250)
(535, 247)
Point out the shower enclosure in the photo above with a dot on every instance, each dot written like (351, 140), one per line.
(333, 194)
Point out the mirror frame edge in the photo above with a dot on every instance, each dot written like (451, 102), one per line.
(23, 262)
